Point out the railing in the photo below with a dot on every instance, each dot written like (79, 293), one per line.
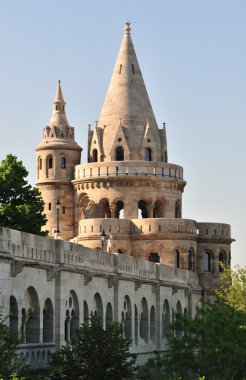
(37, 354)
(128, 168)
(146, 226)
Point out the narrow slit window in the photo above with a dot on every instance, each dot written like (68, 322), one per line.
(63, 209)
(49, 206)
(50, 163)
(133, 69)
(120, 69)
(64, 163)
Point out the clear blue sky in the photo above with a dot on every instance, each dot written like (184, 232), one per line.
(193, 59)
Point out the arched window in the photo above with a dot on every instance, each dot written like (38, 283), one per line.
(142, 207)
(13, 315)
(159, 210)
(136, 325)
(166, 318)
(154, 257)
(126, 317)
(190, 260)
(119, 153)
(98, 307)
(144, 323)
(64, 163)
(72, 316)
(109, 314)
(33, 318)
(207, 261)
(50, 162)
(178, 315)
(177, 209)
(104, 209)
(86, 313)
(119, 211)
(48, 314)
(221, 262)
(94, 155)
(148, 154)
(152, 324)
(165, 156)
(40, 163)
(176, 259)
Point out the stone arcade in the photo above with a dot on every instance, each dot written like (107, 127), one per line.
(156, 262)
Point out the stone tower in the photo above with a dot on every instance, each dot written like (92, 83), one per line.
(56, 158)
(130, 190)
(128, 183)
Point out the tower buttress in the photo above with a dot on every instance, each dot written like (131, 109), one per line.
(56, 157)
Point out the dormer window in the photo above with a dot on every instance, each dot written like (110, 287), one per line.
(64, 163)
(119, 153)
(94, 155)
(148, 155)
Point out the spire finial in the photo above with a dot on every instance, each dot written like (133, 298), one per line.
(59, 82)
(127, 27)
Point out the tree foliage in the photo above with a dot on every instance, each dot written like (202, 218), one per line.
(10, 361)
(21, 205)
(95, 353)
(233, 290)
(213, 344)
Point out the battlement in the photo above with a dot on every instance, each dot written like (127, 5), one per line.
(34, 250)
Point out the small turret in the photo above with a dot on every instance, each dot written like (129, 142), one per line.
(57, 155)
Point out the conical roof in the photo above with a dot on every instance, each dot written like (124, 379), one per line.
(127, 102)
(58, 132)
(59, 118)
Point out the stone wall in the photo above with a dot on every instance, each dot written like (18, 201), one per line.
(51, 286)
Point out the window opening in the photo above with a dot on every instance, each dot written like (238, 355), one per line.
(176, 259)
(154, 257)
(148, 155)
(221, 262)
(207, 261)
(50, 163)
(64, 163)
(94, 155)
(142, 209)
(119, 153)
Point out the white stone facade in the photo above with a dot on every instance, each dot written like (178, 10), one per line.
(48, 287)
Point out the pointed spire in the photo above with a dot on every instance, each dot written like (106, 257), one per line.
(127, 99)
(59, 96)
(58, 117)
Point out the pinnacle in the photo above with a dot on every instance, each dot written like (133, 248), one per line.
(59, 96)
(127, 27)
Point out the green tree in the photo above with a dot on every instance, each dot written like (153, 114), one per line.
(233, 290)
(11, 362)
(21, 205)
(213, 344)
(95, 353)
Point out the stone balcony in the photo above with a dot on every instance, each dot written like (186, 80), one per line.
(37, 354)
(146, 226)
(128, 168)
